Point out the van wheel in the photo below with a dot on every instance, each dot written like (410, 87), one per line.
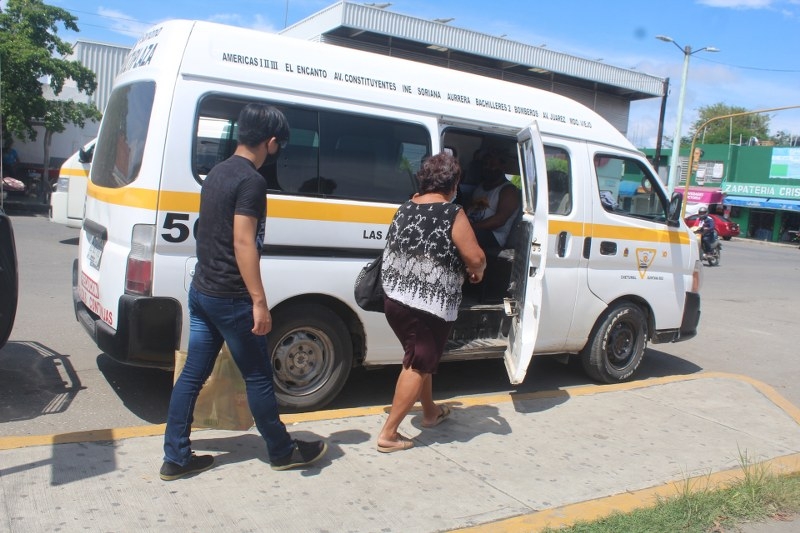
(617, 345)
(311, 356)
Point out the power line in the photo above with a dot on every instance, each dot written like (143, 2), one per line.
(128, 19)
(762, 69)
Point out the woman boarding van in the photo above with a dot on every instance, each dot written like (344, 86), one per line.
(598, 265)
(66, 202)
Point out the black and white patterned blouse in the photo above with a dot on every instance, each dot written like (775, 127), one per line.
(421, 266)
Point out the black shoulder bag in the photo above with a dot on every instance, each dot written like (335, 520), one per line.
(368, 289)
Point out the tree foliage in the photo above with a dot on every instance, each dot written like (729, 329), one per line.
(786, 138)
(733, 130)
(30, 49)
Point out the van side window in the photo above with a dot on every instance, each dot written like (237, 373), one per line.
(559, 180)
(366, 158)
(330, 154)
(628, 188)
(123, 135)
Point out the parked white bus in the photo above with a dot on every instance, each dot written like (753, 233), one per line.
(66, 201)
(598, 265)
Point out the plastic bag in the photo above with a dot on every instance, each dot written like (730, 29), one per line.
(222, 403)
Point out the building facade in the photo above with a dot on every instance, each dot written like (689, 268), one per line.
(756, 186)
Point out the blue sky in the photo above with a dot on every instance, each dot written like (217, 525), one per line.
(758, 66)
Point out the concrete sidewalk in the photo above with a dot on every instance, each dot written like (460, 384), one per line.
(501, 463)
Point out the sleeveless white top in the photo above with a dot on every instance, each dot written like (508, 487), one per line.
(484, 205)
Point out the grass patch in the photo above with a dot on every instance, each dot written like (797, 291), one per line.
(699, 508)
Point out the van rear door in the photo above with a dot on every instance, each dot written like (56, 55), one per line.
(530, 249)
(115, 256)
(78, 175)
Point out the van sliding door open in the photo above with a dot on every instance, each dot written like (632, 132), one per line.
(525, 302)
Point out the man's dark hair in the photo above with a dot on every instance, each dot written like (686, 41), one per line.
(439, 173)
(260, 122)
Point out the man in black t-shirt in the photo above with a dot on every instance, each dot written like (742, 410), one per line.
(227, 302)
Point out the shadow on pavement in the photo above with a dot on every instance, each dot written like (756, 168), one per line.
(35, 381)
(243, 447)
(67, 464)
(144, 391)
(376, 386)
(658, 364)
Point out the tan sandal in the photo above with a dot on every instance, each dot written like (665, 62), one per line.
(444, 412)
(402, 443)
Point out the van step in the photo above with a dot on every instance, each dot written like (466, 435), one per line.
(474, 349)
(472, 304)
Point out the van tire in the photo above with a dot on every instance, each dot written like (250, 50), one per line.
(311, 356)
(617, 345)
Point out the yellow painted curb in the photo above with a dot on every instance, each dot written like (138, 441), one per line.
(629, 501)
(624, 503)
(7, 443)
(96, 435)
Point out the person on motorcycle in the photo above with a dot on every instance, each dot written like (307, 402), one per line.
(707, 230)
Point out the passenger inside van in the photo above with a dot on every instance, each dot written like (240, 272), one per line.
(496, 202)
(494, 209)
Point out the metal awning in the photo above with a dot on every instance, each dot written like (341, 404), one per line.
(746, 201)
(765, 203)
(785, 205)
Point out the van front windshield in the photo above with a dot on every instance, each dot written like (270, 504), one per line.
(120, 146)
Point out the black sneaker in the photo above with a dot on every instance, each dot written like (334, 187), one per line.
(198, 463)
(303, 454)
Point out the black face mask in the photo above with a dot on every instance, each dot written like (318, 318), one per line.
(273, 158)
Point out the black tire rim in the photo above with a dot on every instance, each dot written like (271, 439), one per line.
(622, 343)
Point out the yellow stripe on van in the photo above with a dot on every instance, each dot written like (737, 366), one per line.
(125, 196)
(73, 172)
(189, 202)
(608, 231)
(575, 229)
(329, 212)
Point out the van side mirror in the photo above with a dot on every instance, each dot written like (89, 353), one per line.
(85, 156)
(674, 211)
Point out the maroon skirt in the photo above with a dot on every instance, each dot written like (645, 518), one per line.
(422, 335)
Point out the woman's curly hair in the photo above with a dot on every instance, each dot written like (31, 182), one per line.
(439, 174)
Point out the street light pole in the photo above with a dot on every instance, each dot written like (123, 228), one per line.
(673, 178)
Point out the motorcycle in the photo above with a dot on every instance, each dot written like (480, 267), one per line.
(795, 237)
(715, 248)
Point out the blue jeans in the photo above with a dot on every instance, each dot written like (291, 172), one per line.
(213, 321)
(707, 241)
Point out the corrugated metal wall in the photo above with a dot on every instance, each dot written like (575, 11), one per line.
(362, 17)
(105, 61)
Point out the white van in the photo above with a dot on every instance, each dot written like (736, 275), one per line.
(597, 266)
(66, 201)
